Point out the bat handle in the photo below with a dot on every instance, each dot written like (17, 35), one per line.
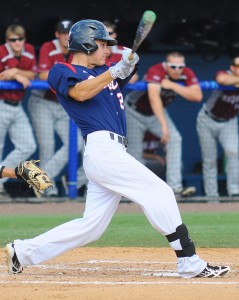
(131, 56)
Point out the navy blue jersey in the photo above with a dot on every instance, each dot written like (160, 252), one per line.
(105, 111)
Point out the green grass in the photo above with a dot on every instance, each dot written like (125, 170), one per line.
(206, 229)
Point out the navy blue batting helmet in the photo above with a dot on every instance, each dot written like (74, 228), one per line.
(83, 34)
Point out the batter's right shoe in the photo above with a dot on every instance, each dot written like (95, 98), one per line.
(14, 266)
(214, 271)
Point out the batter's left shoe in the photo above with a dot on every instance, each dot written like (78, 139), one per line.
(214, 271)
(14, 266)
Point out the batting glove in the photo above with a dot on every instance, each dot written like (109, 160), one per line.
(125, 56)
(124, 67)
(120, 70)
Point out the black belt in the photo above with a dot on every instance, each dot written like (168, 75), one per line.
(120, 139)
(215, 118)
(11, 102)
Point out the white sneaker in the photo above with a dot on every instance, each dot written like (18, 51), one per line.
(14, 266)
(214, 271)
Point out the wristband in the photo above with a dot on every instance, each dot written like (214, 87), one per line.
(1, 170)
(16, 173)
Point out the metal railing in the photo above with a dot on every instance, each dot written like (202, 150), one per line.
(73, 151)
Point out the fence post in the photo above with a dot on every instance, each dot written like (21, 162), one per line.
(73, 160)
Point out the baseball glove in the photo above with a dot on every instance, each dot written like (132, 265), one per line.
(33, 175)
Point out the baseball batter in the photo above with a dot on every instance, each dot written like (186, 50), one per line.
(90, 92)
(217, 122)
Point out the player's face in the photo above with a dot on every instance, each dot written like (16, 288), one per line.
(175, 66)
(112, 32)
(63, 38)
(99, 56)
(16, 43)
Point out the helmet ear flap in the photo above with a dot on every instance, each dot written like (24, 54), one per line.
(89, 47)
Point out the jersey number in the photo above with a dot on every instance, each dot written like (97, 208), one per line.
(121, 100)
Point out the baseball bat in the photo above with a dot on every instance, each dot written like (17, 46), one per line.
(144, 27)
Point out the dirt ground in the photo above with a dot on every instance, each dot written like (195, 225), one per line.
(117, 273)
(74, 207)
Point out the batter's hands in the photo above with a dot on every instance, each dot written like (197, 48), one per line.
(124, 67)
(120, 70)
(125, 56)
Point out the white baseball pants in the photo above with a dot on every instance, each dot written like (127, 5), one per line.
(210, 134)
(137, 124)
(15, 123)
(112, 173)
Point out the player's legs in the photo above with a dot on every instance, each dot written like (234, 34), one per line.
(110, 166)
(43, 123)
(6, 119)
(43, 120)
(101, 205)
(228, 137)
(136, 127)
(21, 135)
(207, 132)
(173, 152)
(81, 177)
(60, 157)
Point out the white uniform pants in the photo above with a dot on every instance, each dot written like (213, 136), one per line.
(137, 124)
(226, 133)
(111, 172)
(15, 123)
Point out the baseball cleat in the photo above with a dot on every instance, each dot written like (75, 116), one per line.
(14, 266)
(211, 271)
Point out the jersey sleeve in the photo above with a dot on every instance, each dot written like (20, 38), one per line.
(33, 66)
(191, 77)
(155, 74)
(61, 78)
(1, 56)
(44, 63)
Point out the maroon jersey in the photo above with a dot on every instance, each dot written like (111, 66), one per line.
(115, 55)
(26, 61)
(50, 54)
(156, 74)
(223, 104)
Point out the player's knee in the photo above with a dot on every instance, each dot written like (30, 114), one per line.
(28, 149)
(181, 234)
